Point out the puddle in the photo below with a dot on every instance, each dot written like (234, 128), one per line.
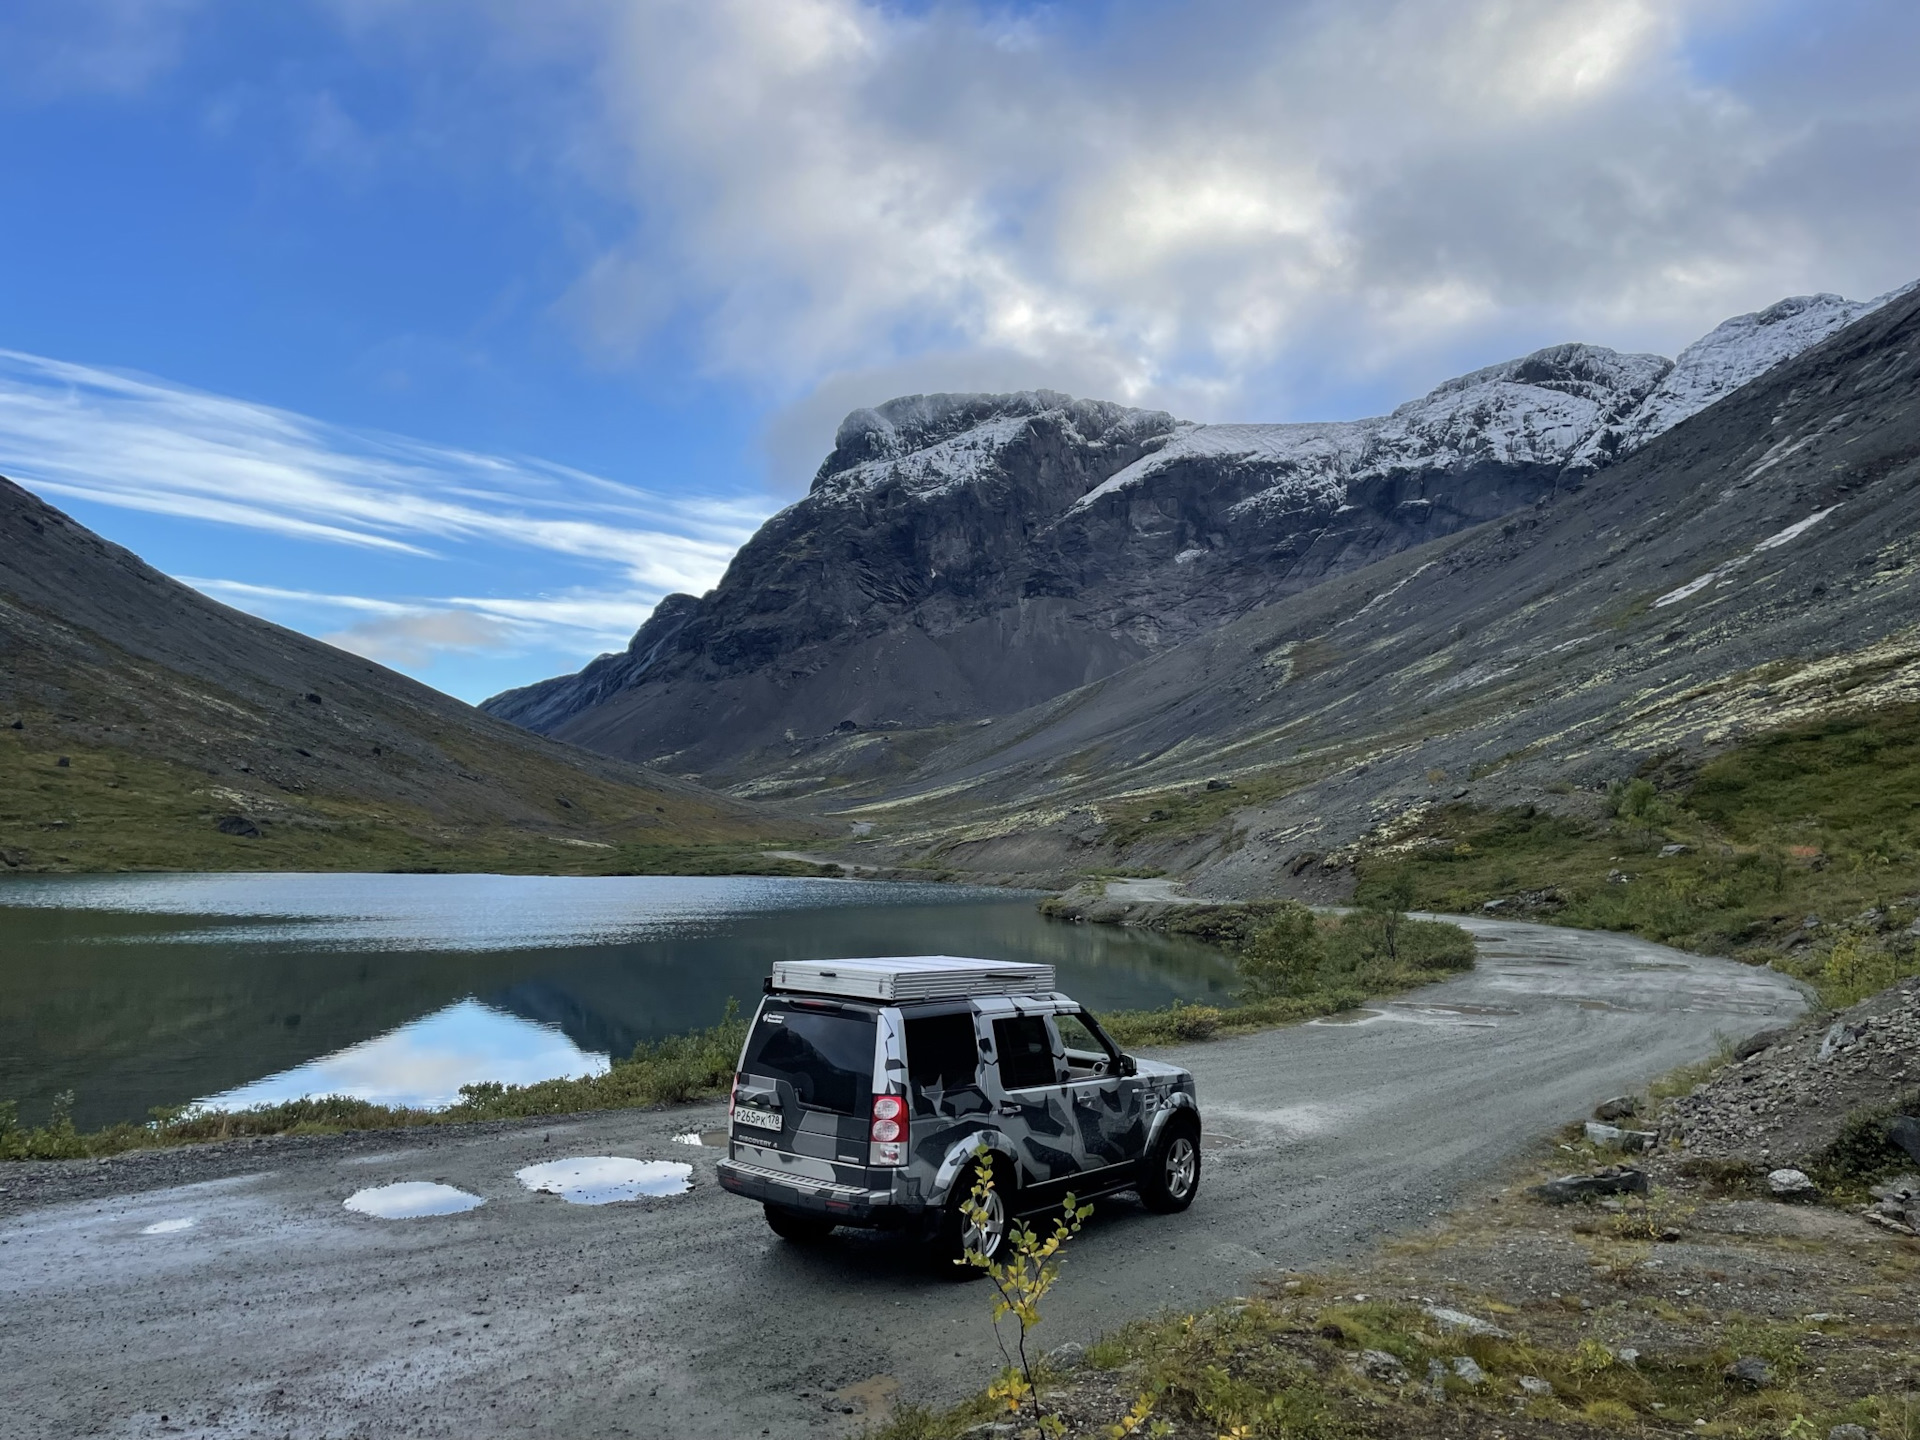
(606, 1179)
(1456, 1009)
(1219, 1140)
(167, 1227)
(706, 1139)
(410, 1200)
(1349, 1017)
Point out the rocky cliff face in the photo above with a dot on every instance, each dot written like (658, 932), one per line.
(961, 557)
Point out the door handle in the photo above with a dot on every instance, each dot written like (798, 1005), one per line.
(1007, 1109)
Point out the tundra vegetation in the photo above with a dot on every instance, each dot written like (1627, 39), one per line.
(1294, 964)
(1798, 849)
(1703, 1307)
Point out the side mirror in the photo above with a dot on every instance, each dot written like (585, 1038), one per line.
(1126, 1067)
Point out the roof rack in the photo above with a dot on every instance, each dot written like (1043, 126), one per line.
(912, 977)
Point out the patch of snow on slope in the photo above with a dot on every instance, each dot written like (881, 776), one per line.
(1772, 542)
(1730, 355)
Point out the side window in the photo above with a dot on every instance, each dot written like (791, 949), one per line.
(1075, 1035)
(1026, 1052)
(942, 1056)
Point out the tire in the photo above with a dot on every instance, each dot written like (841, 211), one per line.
(1170, 1175)
(957, 1232)
(796, 1228)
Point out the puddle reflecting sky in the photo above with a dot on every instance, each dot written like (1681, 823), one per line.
(168, 1227)
(425, 1063)
(411, 1200)
(606, 1179)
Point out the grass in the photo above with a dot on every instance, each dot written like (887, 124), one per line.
(1294, 965)
(1818, 821)
(662, 1072)
(112, 808)
(1289, 1360)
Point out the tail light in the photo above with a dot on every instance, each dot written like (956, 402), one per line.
(733, 1097)
(887, 1134)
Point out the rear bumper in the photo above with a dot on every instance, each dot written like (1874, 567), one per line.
(843, 1204)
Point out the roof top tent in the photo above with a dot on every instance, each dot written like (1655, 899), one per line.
(891, 979)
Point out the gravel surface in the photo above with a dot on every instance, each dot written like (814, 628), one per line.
(278, 1311)
(1785, 1104)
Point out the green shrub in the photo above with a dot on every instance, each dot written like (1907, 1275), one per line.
(1861, 1152)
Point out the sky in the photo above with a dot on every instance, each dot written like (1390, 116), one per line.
(459, 334)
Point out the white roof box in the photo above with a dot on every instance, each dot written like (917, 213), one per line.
(912, 977)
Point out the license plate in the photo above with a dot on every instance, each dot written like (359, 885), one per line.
(757, 1119)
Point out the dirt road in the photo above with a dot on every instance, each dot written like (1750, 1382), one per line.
(279, 1312)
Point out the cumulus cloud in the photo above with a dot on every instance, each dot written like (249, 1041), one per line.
(1235, 210)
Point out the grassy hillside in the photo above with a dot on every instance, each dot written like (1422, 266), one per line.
(1801, 850)
(145, 726)
(110, 808)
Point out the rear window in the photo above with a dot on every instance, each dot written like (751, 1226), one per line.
(1026, 1053)
(942, 1054)
(825, 1055)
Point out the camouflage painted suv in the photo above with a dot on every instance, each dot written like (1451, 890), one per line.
(867, 1087)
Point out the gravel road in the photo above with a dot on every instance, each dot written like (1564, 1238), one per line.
(279, 1312)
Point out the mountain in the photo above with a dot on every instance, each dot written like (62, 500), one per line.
(142, 724)
(1755, 566)
(962, 557)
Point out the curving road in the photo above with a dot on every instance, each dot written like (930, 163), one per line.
(278, 1312)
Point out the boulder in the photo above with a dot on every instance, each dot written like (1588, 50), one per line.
(1379, 1365)
(1465, 1323)
(1535, 1386)
(1468, 1372)
(1621, 1107)
(1792, 1184)
(1614, 1180)
(1755, 1043)
(1611, 1137)
(1749, 1372)
(1069, 1356)
(1904, 1131)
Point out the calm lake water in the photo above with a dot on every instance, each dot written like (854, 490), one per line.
(136, 991)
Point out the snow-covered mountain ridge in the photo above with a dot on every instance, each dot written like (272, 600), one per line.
(961, 557)
(1576, 406)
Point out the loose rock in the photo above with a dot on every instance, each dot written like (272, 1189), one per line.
(1467, 1370)
(1749, 1372)
(1614, 1180)
(1611, 1137)
(1379, 1365)
(1468, 1324)
(1535, 1386)
(1621, 1107)
(1792, 1184)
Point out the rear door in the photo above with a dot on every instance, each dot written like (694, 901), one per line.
(1035, 1109)
(806, 1078)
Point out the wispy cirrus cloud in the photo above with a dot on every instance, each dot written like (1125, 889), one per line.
(78, 432)
(145, 444)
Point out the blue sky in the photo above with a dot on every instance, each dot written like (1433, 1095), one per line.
(461, 333)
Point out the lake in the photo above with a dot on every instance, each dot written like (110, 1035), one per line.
(134, 991)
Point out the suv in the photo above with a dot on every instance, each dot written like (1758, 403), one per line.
(867, 1088)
